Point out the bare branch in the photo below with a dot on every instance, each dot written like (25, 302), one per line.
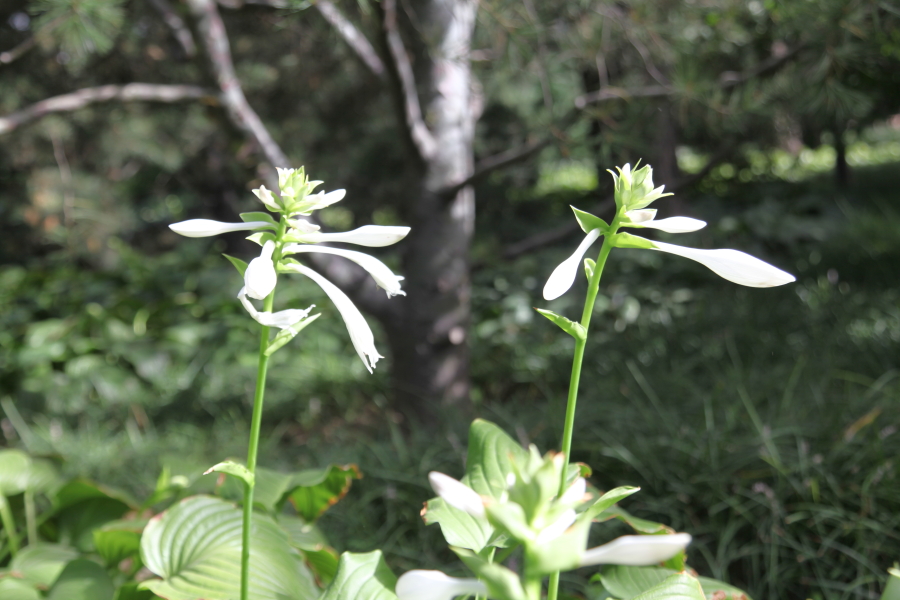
(497, 161)
(418, 131)
(353, 36)
(176, 24)
(17, 52)
(615, 93)
(730, 79)
(241, 114)
(133, 92)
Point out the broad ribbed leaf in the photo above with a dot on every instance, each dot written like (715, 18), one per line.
(82, 580)
(488, 464)
(676, 587)
(627, 582)
(14, 469)
(119, 540)
(315, 490)
(41, 564)
(17, 589)
(713, 590)
(195, 548)
(362, 577)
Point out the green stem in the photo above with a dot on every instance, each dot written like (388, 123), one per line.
(9, 525)
(255, 424)
(575, 378)
(30, 518)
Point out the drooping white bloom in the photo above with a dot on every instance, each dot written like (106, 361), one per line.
(303, 226)
(646, 217)
(563, 276)
(360, 333)
(373, 236)
(637, 550)
(434, 585)
(379, 271)
(268, 198)
(557, 528)
(733, 265)
(281, 319)
(196, 228)
(575, 493)
(318, 201)
(457, 494)
(260, 277)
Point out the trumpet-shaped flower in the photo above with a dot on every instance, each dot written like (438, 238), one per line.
(733, 265)
(563, 276)
(457, 494)
(260, 277)
(196, 228)
(647, 218)
(317, 201)
(268, 198)
(434, 585)
(360, 333)
(374, 236)
(637, 550)
(379, 271)
(282, 319)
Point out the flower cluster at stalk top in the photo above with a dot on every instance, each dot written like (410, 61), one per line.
(552, 529)
(292, 234)
(634, 192)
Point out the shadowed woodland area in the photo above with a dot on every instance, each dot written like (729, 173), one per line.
(763, 422)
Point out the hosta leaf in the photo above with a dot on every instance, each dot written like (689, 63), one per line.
(362, 577)
(714, 589)
(15, 466)
(676, 587)
(195, 548)
(302, 535)
(41, 564)
(627, 582)
(82, 580)
(119, 540)
(315, 490)
(17, 589)
(488, 463)
(132, 591)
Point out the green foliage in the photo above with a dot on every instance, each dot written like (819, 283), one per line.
(362, 577)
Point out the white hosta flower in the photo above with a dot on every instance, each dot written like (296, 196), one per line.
(575, 493)
(563, 276)
(374, 236)
(315, 201)
(434, 585)
(637, 550)
(360, 333)
(260, 277)
(379, 271)
(647, 218)
(733, 265)
(457, 494)
(282, 319)
(196, 228)
(268, 198)
(557, 528)
(303, 226)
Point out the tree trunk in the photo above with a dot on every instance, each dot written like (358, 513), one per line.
(429, 333)
(841, 168)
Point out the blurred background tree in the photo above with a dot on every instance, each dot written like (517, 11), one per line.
(476, 123)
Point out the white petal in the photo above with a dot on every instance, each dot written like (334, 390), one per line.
(637, 550)
(260, 277)
(733, 265)
(374, 236)
(641, 215)
(284, 175)
(379, 271)
(281, 319)
(303, 226)
(319, 200)
(675, 224)
(557, 528)
(575, 493)
(563, 276)
(205, 227)
(265, 196)
(434, 585)
(360, 333)
(456, 494)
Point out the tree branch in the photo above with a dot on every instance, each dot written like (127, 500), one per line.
(353, 36)
(176, 24)
(17, 52)
(616, 93)
(133, 92)
(418, 131)
(215, 40)
(494, 162)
